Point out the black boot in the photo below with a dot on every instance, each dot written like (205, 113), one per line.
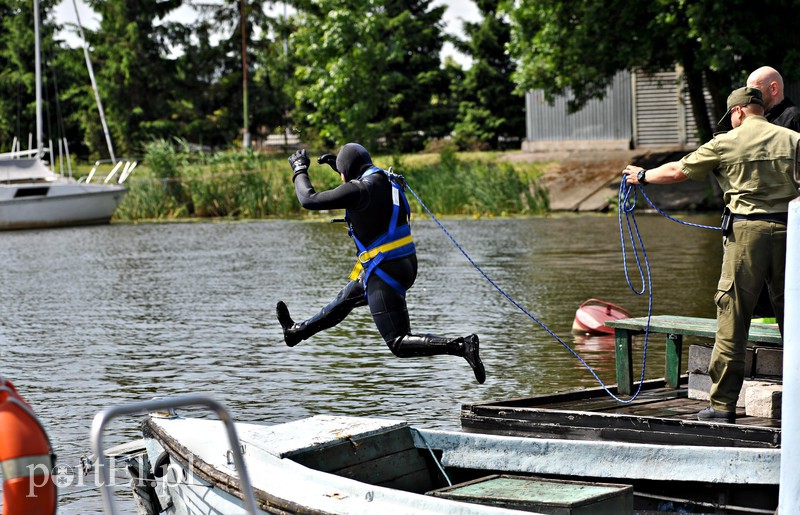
(469, 351)
(351, 297)
(466, 347)
(291, 331)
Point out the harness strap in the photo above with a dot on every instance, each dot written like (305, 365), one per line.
(399, 244)
(369, 255)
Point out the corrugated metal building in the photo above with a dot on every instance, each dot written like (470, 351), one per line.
(638, 111)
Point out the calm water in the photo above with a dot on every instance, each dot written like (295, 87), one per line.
(94, 317)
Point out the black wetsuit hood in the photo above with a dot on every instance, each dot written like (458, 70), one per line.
(352, 161)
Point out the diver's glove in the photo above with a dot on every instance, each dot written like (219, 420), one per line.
(299, 161)
(328, 159)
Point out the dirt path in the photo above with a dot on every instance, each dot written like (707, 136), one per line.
(589, 181)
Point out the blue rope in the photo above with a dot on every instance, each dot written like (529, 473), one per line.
(627, 205)
(521, 308)
(671, 218)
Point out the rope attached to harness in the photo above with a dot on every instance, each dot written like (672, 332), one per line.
(518, 305)
(627, 204)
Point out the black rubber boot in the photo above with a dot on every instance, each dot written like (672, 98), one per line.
(469, 350)
(291, 331)
(351, 297)
(466, 347)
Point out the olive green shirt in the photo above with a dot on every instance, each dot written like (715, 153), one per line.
(753, 165)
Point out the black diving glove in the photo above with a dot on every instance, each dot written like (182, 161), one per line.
(328, 159)
(299, 161)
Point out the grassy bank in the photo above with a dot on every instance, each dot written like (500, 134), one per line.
(175, 184)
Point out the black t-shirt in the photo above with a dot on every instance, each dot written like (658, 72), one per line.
(785, 114)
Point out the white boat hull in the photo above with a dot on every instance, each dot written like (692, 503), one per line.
(200, 476)
(57, 204)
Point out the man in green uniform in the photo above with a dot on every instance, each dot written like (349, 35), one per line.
(753, 165)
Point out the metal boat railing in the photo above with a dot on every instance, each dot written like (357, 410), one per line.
(102, 419)
(126, 165)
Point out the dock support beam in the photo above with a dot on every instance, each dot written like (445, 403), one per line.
(789, 496)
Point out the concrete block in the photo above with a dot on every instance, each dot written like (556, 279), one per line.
(769, 362)
(764, 401)
(700, 357)
(700, 386)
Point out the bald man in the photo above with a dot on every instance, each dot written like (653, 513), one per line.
(779, 109)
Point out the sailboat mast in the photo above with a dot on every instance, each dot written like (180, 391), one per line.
(246, 130)
(94, 85)
(38, 73)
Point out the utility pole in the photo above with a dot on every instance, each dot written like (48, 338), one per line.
(246, 131)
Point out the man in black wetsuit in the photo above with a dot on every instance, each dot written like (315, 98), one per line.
(377, 214)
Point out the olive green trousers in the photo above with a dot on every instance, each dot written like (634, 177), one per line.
(755, 252)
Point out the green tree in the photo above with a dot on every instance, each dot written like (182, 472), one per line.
(580, 45)
(17, 70)
(215, 71)
(368, 70)
(133, 70)
(340, 61)
(414, 33)
(489, 109)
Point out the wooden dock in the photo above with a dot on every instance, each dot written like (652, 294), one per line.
(660, 414)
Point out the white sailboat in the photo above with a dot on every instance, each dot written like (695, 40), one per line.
(33, 196)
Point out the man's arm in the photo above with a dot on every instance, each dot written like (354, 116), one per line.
(668, 173)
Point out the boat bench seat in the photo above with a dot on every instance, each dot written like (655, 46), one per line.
(380, 452)
(675, 327)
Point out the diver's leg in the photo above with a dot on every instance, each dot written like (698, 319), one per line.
(390, 312)
(467, 347)
(350, 297)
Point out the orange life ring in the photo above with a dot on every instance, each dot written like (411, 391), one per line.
(25, 456)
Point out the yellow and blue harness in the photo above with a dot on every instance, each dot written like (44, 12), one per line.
(395, 243)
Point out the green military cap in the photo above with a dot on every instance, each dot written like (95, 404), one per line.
(741, 97)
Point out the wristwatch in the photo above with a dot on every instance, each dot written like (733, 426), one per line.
(641, 177)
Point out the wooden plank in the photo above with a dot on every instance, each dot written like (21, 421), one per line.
(675, 327)
(510, 427)
(693, 326)
(628, 428)
(649, 387)
(391, 469)
(622, 347)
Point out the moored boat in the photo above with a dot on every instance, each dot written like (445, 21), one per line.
(341, 464)
(592, 315)
(34, 196)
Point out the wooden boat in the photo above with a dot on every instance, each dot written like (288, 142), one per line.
(592, 315)
(661, 416)
(336, 464)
